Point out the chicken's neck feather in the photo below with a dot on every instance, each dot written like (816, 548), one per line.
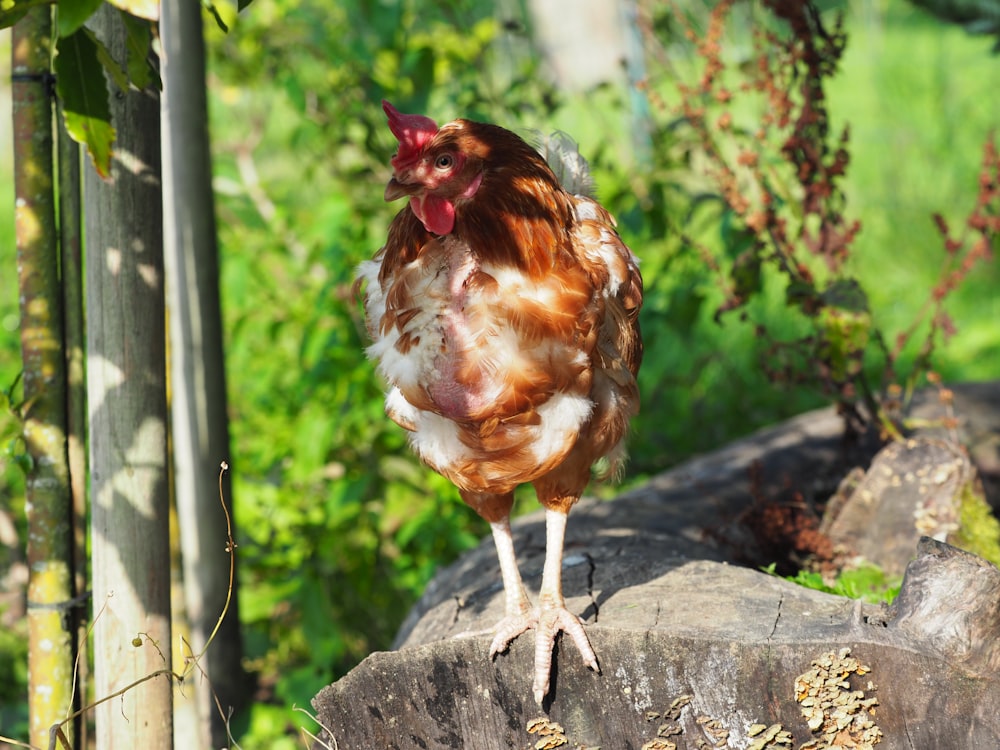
(520, 219)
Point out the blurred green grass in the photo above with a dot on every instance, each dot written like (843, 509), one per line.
(11, 483)
(9, 346)
(921, 100)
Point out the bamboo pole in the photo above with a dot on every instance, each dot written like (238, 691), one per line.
(50, 581)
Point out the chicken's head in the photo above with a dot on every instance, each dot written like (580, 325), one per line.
(432, 167)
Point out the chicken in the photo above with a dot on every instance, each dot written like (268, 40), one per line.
(504, 317)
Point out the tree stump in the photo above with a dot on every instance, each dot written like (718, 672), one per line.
(695, 652)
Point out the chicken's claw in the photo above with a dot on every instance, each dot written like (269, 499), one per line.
(551, 620)
(510, 628)
(547, 623)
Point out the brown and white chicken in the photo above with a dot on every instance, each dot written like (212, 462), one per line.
(504, 315)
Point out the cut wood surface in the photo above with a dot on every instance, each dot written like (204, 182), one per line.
(695, 651)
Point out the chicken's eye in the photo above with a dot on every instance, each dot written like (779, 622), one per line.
(445, 161)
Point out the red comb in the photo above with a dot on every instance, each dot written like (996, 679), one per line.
(412, 132)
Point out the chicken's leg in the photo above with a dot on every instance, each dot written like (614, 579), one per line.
(552, 613)
(518, 615)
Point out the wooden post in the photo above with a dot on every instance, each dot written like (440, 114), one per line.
(200, 427)
(126, 387)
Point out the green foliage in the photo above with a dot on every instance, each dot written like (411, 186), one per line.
(14, 667)
(73, 14)
(920, 164)
(762, 127)
(15, 463)
(12, 12)
(13, 447)
(866, 582)
(745, 238)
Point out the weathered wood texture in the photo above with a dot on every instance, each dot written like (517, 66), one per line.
(127, 404)
(913, 488)
(741, 644)
(669, 617)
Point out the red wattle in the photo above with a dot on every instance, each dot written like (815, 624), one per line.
(436, 214)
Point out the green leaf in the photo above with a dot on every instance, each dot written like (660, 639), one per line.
(83, 90)
(111, 66)
(419, 68)
(867, 582)
(19, 455)
(71, 14)
(139, 42)
(802, 294)
(685, 307)
(844, 337)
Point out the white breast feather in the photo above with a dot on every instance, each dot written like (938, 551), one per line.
(437, 440)
(562, 416)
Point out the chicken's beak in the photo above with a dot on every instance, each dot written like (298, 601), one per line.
(396, 189)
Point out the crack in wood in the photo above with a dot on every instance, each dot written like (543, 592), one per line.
(777, 616)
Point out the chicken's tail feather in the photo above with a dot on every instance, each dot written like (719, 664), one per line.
(563, 156)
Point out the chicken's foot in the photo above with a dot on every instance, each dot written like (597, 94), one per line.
(551, 616)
